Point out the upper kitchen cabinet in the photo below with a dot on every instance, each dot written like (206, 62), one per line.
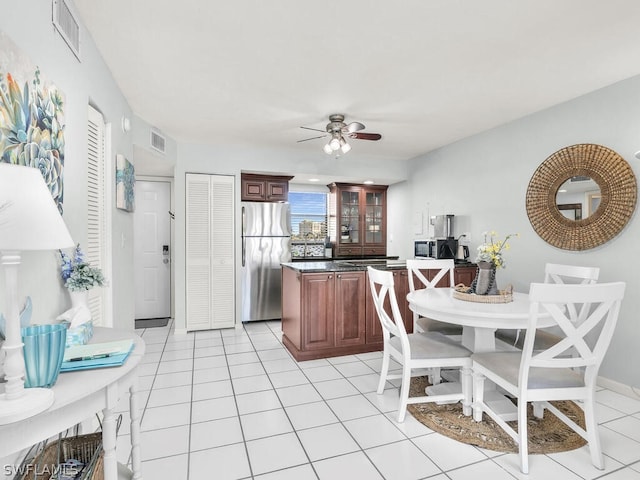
(265, 188)
(358, 219)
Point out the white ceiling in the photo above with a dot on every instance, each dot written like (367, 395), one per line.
(423, 73)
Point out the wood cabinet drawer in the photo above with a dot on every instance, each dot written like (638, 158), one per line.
(377, 251)
(348, 251)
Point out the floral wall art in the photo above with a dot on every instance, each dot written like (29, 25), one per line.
(31, 118)
(125, 181)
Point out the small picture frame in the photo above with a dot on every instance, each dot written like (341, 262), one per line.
(125, 183)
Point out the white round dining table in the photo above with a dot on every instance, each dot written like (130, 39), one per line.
(479, 320)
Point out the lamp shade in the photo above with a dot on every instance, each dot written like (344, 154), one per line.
(29, 218)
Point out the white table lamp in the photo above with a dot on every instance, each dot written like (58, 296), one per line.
(29, 220)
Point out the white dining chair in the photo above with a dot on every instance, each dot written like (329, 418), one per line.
(441, 269)
(416, 350)
(559, 274)
(550, 375)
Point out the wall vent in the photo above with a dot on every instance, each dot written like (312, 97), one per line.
(157, 142)
(67, 25)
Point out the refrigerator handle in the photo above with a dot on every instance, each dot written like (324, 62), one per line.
(243, 220)
(244, 245)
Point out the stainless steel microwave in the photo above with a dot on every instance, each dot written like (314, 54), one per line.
(440, 248)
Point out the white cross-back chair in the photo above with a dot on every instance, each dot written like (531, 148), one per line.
(559, 274)
(571, 275)
(548, 375)
(442, 269)
(416, 350)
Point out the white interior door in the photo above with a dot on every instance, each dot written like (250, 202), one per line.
(152, 250)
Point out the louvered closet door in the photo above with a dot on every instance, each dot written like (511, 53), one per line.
(222, 255)
(96, 224)
(210, 282)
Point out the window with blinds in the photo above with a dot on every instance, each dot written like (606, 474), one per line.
(308, 215)
(94, 249)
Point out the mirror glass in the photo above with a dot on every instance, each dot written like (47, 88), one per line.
(578, 197)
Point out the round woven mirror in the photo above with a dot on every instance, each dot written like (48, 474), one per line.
(610, 206)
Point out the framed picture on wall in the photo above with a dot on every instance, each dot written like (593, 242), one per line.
(125, 183)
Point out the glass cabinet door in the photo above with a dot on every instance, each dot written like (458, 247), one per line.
(374, 208)
(350, 217)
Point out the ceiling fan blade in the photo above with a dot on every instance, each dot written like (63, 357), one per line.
(354, 127)
(365, 136)
(312, 138)
(314, 129)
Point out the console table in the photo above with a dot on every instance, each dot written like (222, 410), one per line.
(81, 394)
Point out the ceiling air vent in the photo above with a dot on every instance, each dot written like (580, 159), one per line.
(157, 141)
(67, 25)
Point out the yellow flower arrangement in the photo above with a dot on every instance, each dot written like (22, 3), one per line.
(491, 250)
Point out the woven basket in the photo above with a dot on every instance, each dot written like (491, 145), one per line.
(84, 448)
(461, 293)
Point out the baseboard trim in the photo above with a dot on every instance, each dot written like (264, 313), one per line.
(621, 388)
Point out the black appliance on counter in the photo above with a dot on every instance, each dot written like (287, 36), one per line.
(439, 248)
(445, 246)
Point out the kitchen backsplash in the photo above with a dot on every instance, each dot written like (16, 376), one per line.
(308, 250)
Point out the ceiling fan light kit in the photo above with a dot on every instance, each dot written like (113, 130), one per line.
(338, 131)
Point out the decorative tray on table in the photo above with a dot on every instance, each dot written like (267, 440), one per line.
(462, 292)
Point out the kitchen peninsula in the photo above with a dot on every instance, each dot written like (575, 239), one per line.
(327, 309)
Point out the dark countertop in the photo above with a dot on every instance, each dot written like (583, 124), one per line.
(340, 259)
(344, 265)
(352, 265)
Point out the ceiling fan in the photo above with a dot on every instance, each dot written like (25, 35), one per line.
(339, 133)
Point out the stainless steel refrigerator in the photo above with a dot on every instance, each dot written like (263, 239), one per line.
(266, 243)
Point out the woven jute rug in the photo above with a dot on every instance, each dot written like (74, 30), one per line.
(546, 435)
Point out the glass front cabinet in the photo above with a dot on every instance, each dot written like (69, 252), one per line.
(357, 219)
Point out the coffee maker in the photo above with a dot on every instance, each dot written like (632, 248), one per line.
(445, 246)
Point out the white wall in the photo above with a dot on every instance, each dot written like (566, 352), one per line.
(483, 179)
(28, 24)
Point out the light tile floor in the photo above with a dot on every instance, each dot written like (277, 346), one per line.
(233, 404)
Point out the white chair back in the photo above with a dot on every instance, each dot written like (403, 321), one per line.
(391, 325)
(574, 275)
(443, 267)
(557, 273)
(604, 298)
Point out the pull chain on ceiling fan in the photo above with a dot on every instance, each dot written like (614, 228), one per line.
(339, 132)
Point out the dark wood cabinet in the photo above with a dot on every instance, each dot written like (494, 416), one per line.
(264, 188)
(465, 274)
(350, 291)
(324, 314)
(358, 219)
(318, 298)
